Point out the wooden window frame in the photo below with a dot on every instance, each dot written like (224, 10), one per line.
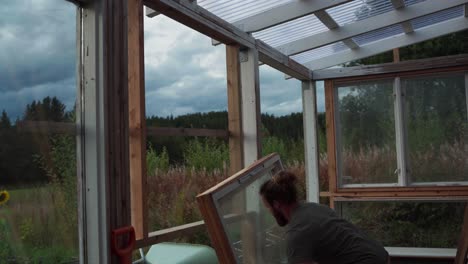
(414, 190)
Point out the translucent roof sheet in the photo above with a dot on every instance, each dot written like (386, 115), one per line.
(232, 11)
(309, 25)
(437, 17)
(292, 30)
(320, 52)
(378, 34)
(359, 10)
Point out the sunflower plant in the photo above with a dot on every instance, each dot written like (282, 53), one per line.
(4, 197)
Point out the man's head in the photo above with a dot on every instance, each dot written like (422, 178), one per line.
(279, 194)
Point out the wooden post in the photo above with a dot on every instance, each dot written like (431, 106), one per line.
(105, 195)
(462, 249)
(250, 94)
(137, 118)
(331, 137)
(396, 55)
(309, 106)
(236, 157)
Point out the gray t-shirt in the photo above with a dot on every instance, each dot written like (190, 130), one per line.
(316, 233)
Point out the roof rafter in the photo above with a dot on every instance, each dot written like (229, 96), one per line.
(407, 26)
(380, 46)
(212, 26)
(369, 24)
(285, 13)
(330, 23)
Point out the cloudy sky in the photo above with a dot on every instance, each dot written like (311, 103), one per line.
(184, 73)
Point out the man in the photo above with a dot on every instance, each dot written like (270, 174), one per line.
(315, 233)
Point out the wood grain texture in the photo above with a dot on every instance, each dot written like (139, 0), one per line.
(236, 157)
(137, 118)
(414, 66)
(462, 249)
(331, 135)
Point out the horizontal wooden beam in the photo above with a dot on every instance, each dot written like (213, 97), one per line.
(401, 40)
(46, 127)
(190, 132)
(284, 13)
(212, 26)
(405, 66)
(367, 25)
(170, 234)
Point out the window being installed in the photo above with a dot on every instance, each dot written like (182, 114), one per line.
(406, 131)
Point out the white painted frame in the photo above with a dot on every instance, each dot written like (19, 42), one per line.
(93, 199)
(440, 29)
(400, 132)
(311, 147)
(369, 24)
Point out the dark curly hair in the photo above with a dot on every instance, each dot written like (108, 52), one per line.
(281, 187)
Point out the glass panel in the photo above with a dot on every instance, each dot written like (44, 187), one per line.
(436, 116)
(38, 199)
(407, 223)
(248, 225)
(366, 133)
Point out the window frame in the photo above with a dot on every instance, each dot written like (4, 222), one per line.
(403, 183)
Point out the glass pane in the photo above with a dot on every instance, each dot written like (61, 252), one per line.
(407, 224)
(252, 232)
(38, 203)
(366, 133)
(436, 116)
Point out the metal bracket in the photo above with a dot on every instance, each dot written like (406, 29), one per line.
(243, 56)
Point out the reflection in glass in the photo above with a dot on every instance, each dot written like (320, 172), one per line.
(366, 133)
(407, 224)
(253, 233)
(436, 116)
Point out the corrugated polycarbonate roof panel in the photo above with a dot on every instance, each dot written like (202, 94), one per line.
(232, 11)
(291, 31)
(438, 17)
(378, 34)
(358, 10)
(320, 52)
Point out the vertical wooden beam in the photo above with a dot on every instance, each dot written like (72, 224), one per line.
(115, 74)
(462, 249)
(396, 55)
(400, 132)
(331, 138)
(309, 106)
(236, 157)
(250, 94)
(137, 118)
(105, 196)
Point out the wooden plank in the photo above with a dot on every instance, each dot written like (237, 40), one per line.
(218, 238)
(187, 132)
(396, 194)
(311, 148)
(404, 66)
(170, 234)
(331, 135)
(212, 26)
(404, 189)
(137, 118)
(250, 105)
(46, 127)
(396, 55)
(236, 157)
(462, 249)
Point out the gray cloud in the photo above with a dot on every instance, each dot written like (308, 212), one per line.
(37, 52)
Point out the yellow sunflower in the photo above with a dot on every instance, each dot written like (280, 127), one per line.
(4, 197)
